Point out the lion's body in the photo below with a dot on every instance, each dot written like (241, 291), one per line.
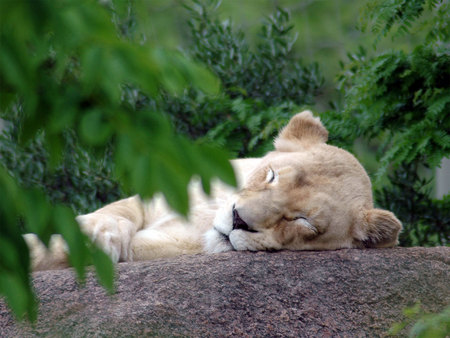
(305, 195)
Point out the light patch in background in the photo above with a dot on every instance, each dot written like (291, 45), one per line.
(443, 179)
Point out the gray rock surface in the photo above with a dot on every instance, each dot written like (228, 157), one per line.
(353, 293)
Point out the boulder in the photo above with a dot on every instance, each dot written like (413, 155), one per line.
(277, 294)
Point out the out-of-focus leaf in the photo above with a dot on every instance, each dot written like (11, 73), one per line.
(64, 222)
(38, 217)
(94, 130)
(104, 268)
(18, 295)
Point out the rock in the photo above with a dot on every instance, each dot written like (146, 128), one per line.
(302, 294)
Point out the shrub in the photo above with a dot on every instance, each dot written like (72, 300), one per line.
(270, 72)
(402, 99)
(263, 86)
(81, 180)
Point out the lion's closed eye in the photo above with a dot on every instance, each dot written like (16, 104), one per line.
(272, 176)
(304, 222)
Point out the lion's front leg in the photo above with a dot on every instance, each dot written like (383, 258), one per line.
(217, 239)
(113, 227)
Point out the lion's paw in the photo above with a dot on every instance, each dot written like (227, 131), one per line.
(111, 233)
(241, 241)
(223, 221)
(244, 240)
(215, 242)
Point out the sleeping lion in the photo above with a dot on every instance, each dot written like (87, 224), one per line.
(304, 195)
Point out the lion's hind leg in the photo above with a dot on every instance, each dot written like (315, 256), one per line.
(43, 258)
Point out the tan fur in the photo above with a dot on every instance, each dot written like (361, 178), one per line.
(304, 195)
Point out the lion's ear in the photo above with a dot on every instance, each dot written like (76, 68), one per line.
(379, 229)
(303, 128)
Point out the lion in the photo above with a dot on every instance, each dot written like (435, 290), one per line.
(303, 195)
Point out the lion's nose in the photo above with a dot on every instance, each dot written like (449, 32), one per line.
(239, 223)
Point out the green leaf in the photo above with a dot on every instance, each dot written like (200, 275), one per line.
(9, 252)
(413, 310)
(104, 268)
(94, 129)
(38, 216)
(64, 222)
(396, 328)
(216, 163)
(144, 176)
(6, 99)
(173, 184)
(18, 295)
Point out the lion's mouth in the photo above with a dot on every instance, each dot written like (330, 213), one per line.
(239, 223)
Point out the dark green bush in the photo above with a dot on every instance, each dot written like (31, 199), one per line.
(81, 180)
(263, 86)
(270, 72)
(426, 220)
(402, 99)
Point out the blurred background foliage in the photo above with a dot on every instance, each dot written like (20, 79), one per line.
(261, 85)
(400, 100)
(105, 99)
(418, 323)
(63, 68)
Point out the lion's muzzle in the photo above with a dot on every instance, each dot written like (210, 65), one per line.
(239, 223)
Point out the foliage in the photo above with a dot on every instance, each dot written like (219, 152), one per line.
(227, 122)
(252, 99)
(64, 67)
(427, 219)
(270, 72)
(400, 16)
(252, 122)
(402, 100)
(81, 181)
(403, 97)
(432, 325)
(41, 217)
(263, 86)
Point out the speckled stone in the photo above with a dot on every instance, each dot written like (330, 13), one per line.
(349, 293)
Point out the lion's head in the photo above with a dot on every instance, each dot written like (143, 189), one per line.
(304, 195)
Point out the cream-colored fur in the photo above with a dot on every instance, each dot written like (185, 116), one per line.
(304, 195)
